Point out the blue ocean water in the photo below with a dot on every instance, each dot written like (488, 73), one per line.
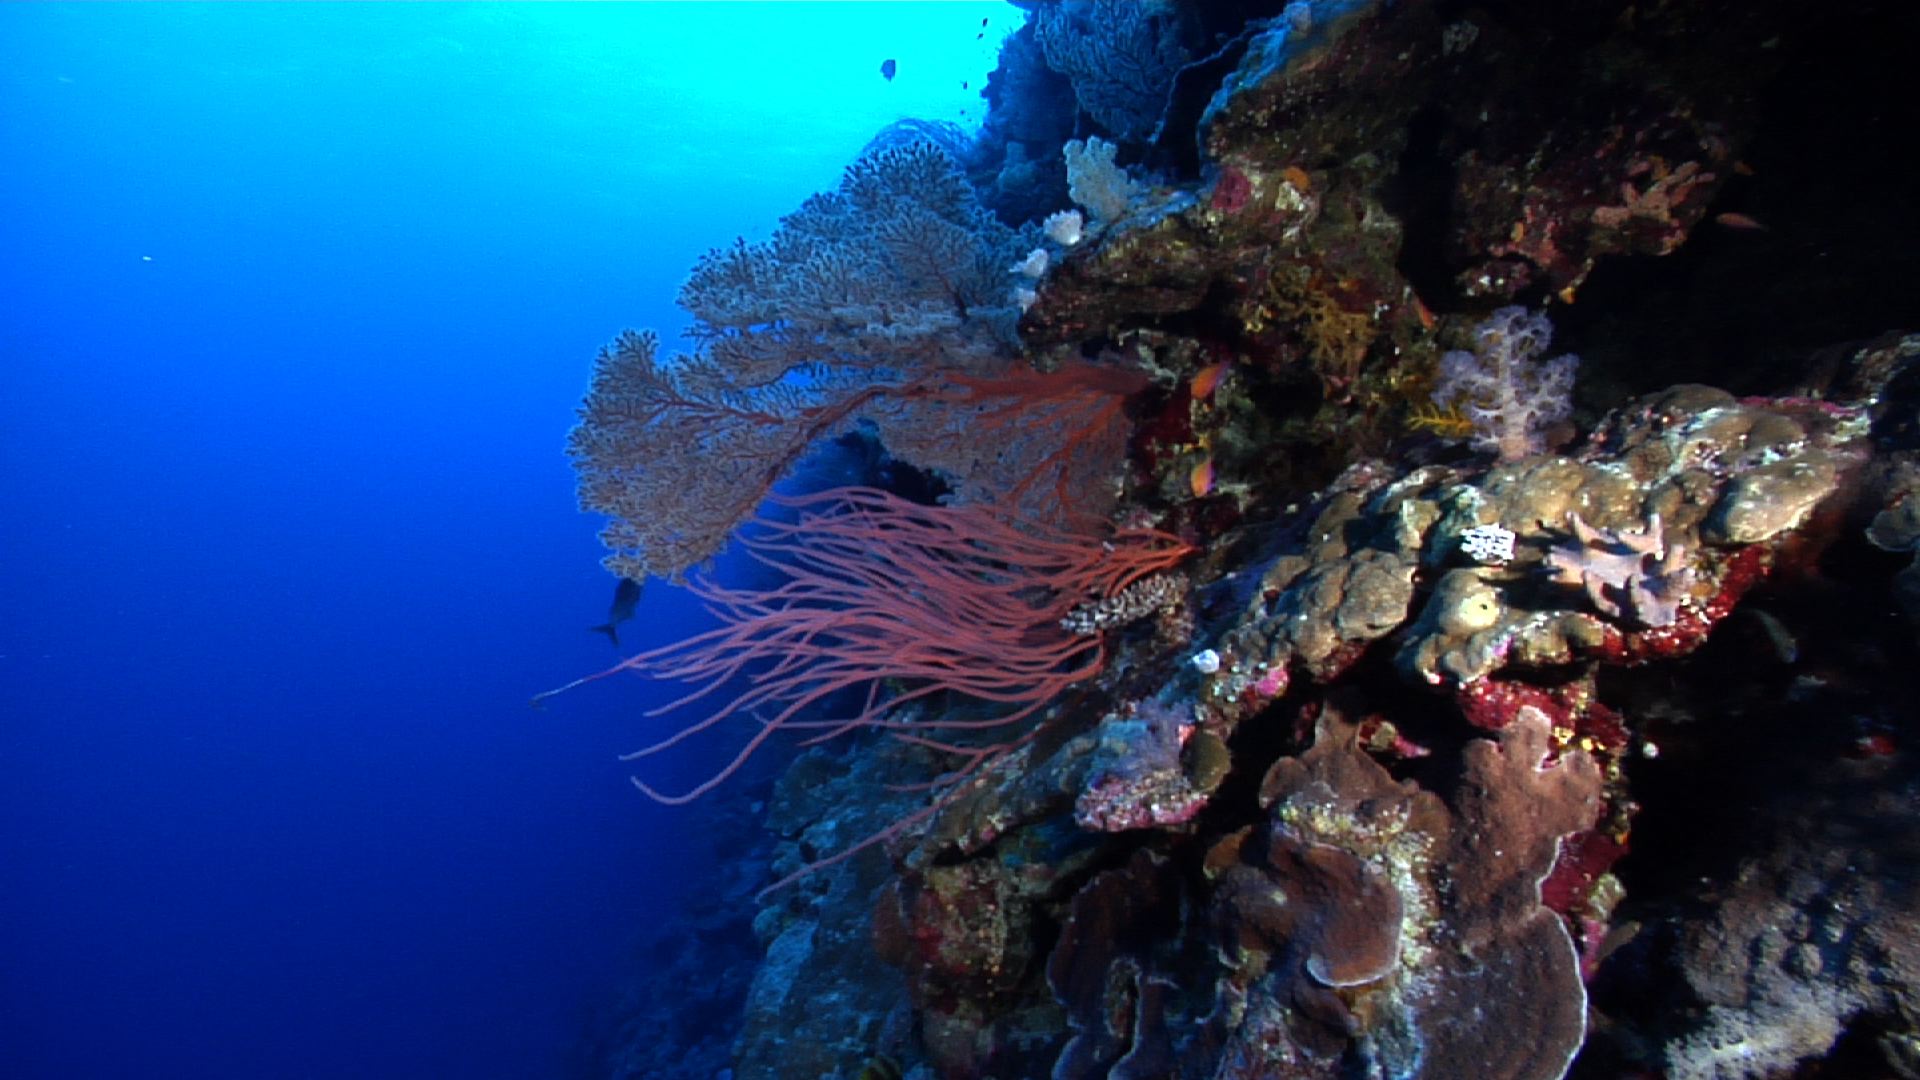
(295, 306)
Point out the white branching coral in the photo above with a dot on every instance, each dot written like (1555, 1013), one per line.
(1488, 545)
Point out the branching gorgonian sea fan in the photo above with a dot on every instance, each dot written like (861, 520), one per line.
(888, 302)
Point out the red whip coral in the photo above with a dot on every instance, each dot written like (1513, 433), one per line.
(965, 598)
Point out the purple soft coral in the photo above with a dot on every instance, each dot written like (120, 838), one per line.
(1636, 576)
(1510, 396)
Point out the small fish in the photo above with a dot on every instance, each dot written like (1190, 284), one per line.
(1201, 478)
(1735, 220)
(1206, 380)
(1427, 320)
(1874, 746)
(880, 1067)
(888, 68)
(1780, 640)
(626, 597)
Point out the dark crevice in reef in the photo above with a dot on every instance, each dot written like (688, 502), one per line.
(1825, 246)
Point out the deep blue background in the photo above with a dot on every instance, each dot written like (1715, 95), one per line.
(295, 306)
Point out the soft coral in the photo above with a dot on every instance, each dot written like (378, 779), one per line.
(1510, 396)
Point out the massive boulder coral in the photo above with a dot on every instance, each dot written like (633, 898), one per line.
(1366, 168)
(1629, 549)
(1887, 374)
(1725, 480)
(1138, 779)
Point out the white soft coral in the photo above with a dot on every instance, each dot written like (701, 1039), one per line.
(1509, 395)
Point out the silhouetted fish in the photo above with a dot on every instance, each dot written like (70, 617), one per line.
(887, 69)
(626, 597)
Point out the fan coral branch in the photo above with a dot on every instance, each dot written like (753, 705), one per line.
(884, 302)
(677, 455)
(1120, 55)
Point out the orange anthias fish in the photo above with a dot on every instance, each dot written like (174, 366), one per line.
(1425, 313)
(1206, 379)
(1201, 478)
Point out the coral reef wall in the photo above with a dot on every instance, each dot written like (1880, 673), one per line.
(1509, 718)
